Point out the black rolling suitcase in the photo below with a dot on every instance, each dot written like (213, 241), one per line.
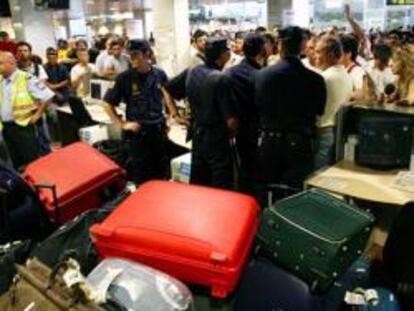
(21, 215)
(266, 287)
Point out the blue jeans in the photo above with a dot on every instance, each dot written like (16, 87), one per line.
(43, 136)
(325, 149)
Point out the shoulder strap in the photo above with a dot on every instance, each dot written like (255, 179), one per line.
(37, 70)
(351, 68)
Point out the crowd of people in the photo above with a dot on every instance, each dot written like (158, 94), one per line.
(262, 103)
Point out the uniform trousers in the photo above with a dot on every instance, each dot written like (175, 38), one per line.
(22, 142)
(148, 153)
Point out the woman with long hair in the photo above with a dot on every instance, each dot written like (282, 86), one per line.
(402, 65)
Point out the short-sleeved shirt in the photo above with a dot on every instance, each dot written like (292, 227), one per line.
(36, 88)
(206, 89)
(56, 73)
(100, 62)
(142, 94)
(120, 64)
(38, 71)
(339, 91)
(290, 97)
(357, 74)
(380, 78)
(84, 86)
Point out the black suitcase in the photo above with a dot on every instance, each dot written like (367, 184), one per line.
(266, 287)
(22, 214)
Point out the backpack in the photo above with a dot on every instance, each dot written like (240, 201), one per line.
(22, 214)
(73, 240)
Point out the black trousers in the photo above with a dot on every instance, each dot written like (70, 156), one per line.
(148, 152)
(246, 143)
(283, 158)
(211, 159)
(22, 143)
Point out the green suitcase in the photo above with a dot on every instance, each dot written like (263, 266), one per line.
(315, 236)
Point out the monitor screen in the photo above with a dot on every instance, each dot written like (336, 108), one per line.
(5, 8)
(400, 2)
(59, 4)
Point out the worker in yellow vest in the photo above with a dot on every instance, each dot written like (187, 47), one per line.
(23, 100)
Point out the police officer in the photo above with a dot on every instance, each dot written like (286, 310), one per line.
(141, 88)
(289, 97)
(242, 82)
(213, 118)
(23, 100)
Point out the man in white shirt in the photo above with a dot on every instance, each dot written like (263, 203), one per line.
(116, 62)
(328, 54)
(355, 71)
(81, 74)
(101, 59)
(24, 59)
(379, 70)
(236, 50)
(198, 46)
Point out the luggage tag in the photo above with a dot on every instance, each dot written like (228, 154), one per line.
(73, 276)
(355, 299)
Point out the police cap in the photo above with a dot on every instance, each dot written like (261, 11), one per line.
(138, 45)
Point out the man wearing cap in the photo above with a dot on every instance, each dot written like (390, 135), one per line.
(289, 97)
(141, 88)
(242, 84)
(213, 118)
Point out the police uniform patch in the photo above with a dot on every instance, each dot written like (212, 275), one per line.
(135, 89)
(40, 85)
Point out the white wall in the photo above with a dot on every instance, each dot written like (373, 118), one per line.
(35, 27)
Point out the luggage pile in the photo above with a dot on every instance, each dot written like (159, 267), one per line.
(168, 245)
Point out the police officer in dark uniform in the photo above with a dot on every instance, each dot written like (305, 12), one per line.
(289, 97)
(213, 118)
(242, 83)
(142, 90)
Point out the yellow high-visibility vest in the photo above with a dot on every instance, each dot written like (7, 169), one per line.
(23, 104)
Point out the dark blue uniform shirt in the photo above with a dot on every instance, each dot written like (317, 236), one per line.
(290, 97)
(206, 90)
(142, 94)
(242, 77)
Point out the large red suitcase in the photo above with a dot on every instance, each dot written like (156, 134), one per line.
(73, 179)
(197, 234)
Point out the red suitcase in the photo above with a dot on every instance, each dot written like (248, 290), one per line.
(199, 235)
(73, 179)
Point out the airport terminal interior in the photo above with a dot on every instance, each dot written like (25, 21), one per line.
(206, 155)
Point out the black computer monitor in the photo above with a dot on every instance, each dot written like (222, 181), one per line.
(384, 142)
(80, 113)
(400, 2)
(59, 4)
(5, 8)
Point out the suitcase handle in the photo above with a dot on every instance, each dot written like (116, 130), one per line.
(200, 246)
(52, 188)
(5, 214)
